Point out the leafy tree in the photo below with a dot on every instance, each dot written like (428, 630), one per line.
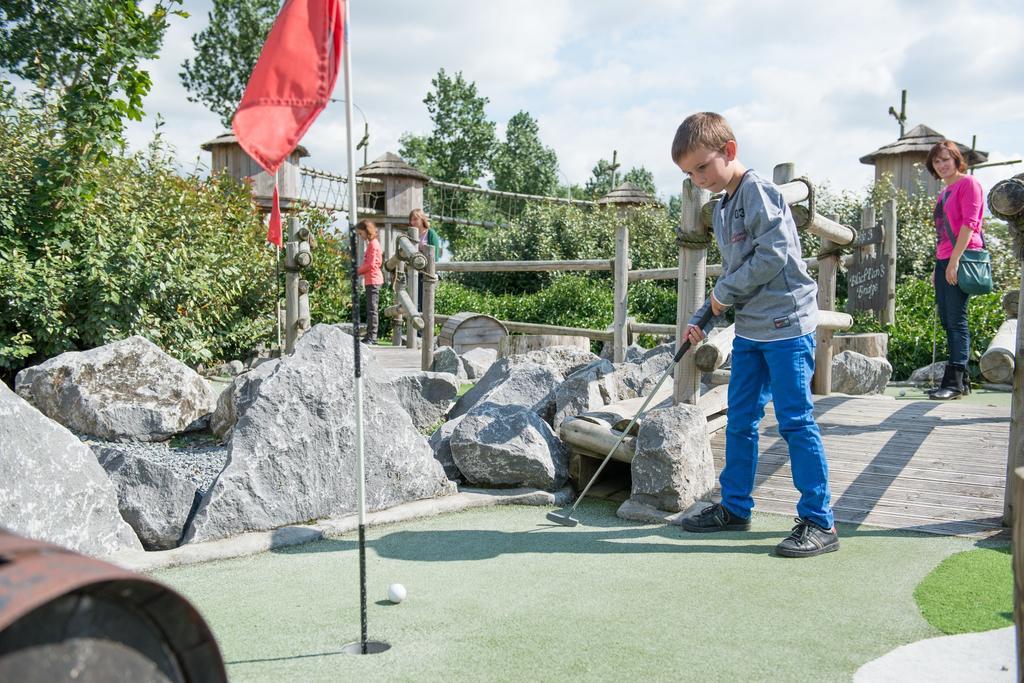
(522, 163)
(642, 178)
(226, 52)
(84, 55)
(459, 148)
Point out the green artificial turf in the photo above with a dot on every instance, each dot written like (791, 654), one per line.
(969, 592)
(500, 594)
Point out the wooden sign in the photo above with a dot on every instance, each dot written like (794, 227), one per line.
(866, 281)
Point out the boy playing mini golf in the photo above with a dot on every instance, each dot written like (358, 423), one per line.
(765, 280)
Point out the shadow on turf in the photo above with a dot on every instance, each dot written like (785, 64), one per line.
(283, 659)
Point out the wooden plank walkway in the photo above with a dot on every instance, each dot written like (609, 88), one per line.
(398, 359)
(928, 466)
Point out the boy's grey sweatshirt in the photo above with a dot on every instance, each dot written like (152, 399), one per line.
(763, 274)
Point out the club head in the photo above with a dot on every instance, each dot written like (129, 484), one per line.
(563, 519)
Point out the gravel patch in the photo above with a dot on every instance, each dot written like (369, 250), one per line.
(198, 457)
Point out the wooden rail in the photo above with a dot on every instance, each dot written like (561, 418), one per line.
(522, 266)
(536, 328)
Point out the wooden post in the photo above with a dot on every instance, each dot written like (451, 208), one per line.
(621, 279)
(888, 315)
(1017, 547)
(291, 287)
(623, 198)
(411, 281)
(1015, 454)
(427, 309)
(689, 289)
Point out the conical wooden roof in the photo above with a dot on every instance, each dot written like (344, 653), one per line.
(229, 138)
(390, 165)
(627, 193)
(921, 139)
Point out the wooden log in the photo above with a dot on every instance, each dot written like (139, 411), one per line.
(430, 282)
(827, 269)
(515, 344)
(715, 400)
(996, 364)
(536, 328)
(714, 350)
(620, 278)
(415, 319)
(651, 328)
(1011, 301)
(1015, 448)
(691, 276)
(522, 266)
(1006, 198)
(596, 436)
(888, 315)
(870, 344)
(719, 377)
(413, 322)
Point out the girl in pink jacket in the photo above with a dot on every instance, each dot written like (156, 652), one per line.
(373, 278)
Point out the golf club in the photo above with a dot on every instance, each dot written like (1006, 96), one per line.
(565, 518)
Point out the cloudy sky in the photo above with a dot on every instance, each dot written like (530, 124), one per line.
(808, 82)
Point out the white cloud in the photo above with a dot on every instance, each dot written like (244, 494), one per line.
(801, 81)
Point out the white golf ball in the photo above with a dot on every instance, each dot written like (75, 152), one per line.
(396, 593)
(903, 392)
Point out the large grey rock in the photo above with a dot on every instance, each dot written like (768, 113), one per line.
(565, 359)
(242, 391)
(673, 466)
(634, 352)
(129, 390)
(508, 445)
(854, 373)
(639, 379)
(478, 361)
(292, 451)
(426, 396)
(152, 498)
(440, 442)
(51, 487)
(447, 360)
(590, 388)
(513, 381)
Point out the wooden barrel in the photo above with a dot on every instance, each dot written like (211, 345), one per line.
(59, 609)
(468, 330)
(523, 343)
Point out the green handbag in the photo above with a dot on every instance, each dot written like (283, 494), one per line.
(974, 276)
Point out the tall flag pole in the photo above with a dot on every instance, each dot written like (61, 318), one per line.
(353, 219)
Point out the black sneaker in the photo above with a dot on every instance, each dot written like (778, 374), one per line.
(807, 540)
(715, 517)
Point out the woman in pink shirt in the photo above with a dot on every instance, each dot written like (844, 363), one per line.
(373, 278)
(958, 214)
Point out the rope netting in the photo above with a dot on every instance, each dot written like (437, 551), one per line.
(444, 202)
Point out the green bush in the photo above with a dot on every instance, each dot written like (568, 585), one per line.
(917, 323)
(547, 232)
(131, 247)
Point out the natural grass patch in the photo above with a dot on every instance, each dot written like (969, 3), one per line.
(969, 592)
(466, 386)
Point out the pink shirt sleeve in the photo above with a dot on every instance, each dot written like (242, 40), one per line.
(972, 206)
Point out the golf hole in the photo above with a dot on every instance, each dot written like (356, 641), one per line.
(373, 647)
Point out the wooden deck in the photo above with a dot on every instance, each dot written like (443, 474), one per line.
(398, 359)
(928, 466)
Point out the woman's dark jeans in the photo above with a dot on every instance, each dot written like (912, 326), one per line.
(952, 304)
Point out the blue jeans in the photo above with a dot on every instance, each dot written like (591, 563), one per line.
(761, 371)
(952, 304)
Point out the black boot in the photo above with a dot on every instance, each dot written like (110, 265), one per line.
(952, 384)
(966, 391)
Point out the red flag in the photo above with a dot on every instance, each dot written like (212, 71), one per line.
(289, 86)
